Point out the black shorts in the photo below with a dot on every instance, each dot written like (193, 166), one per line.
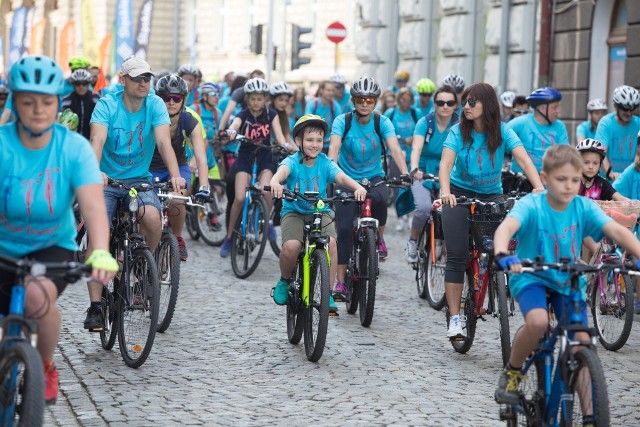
(52, 254)
(244, 162)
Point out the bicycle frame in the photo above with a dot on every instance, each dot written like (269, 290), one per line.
(248, 195)
(313, 240)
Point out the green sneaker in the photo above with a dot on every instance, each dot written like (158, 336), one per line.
(333, 308)
(508, 387)
(281, 292)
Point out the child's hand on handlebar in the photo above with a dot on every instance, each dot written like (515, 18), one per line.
(360, 194)
(276, 190)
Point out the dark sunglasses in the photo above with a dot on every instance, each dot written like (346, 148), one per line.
(139, 79)
(175, 98)
(362, 101)
(426, 94)
(401, 81)
(471, 101)
(519, 112)
(81, 83)
(628, 110)
(441, 103)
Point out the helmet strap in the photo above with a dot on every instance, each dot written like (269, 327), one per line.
(179, 111)
(546, 116)
(29, 132)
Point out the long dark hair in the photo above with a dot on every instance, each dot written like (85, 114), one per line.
(485, 94)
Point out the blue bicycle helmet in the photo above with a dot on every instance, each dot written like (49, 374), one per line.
(208, 87)
(38, 74)
(543, 95)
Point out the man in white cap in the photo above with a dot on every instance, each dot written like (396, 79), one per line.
(126, 127)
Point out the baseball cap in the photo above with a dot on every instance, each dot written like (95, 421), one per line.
(134, 67)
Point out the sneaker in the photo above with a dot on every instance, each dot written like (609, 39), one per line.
(51, 383)
(281, 292)
(333, 308)
(340, 292)
(182, 249)
(508, 385)
(272, 233)
(94, 320)
(455, 327)
(214, 223)
(225, 249)
(400, 224)
(637, 307)
(411, 252)
(382, 249)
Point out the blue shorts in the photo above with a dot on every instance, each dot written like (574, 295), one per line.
(112, 195)
(534, 295)
(244, 162)
(163, 176)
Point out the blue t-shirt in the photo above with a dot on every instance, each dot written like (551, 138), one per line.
(130, 140)
(37, 190)
(628, 183)
(432, 149)
(328, 112)
(210, 120)
(475, 168)
(361, 150)
(309, 178)
(345, 102)
(621, 141)
(298, 110)
(536, 138)
(424, 111)
(552, 234)
(404, 125)
(584, 130)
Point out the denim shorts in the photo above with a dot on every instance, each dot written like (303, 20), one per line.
(534, 295)
(112, 195)
(164, 175)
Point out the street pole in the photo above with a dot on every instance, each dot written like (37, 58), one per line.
(504, 46)
(270, 41)
(176, 33)
(335, 59)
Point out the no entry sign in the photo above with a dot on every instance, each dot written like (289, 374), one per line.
(336, 32)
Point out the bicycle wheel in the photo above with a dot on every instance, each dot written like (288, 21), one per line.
(368, 277)
(424, 250)
(274, 219)
(190, 222)
(352, 282)
(22, 390)
(295, 313)
(532, 390)
(588, 388)
(168, 263)
(138, 308)
(435, 276)
(500, 283)
(317, 313)
(246, 252)
(612, 309)
(109, 314)
(210, 221)
(467, 317)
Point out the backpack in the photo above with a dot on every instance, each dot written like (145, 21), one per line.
(376, 125)
(315, 108)
(412, 110)
(431, 125)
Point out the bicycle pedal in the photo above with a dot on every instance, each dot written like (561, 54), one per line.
(457, 338)
(101, 329)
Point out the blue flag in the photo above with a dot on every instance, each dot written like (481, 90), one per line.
(124, 32)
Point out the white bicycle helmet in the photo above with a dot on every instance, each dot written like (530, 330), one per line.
(627, 97)
(281, 89)
(507, 97)
(187, 69)
(596, 104)
(80, 75)
(455, 81)
(256, 85)
(338, 78)
(365, 87)
(592, 145)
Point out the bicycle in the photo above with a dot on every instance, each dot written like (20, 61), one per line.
(308, 303)
(21, 372)
(209, 217)
(481, 277)
(130, 302)
(547, 395)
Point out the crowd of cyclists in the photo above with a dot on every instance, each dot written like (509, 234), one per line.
(171, 126)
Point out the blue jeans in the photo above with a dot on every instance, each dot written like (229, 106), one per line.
(112, 195)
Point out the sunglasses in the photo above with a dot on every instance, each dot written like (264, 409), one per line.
(81, 84)
(426, 94)
(361, 101)
(519, 112)
(139, 79)
(441, 103)
(628, 110)
(213, 94)
(175, 98)
(471, 101)
(401, 81)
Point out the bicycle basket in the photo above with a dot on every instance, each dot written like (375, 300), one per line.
(483, 226)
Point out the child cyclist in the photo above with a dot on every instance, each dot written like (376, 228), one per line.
(311, 170)
(593, 185)
(559, 221)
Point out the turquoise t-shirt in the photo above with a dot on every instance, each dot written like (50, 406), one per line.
(404, 126)
(584, 130)
(628, 183)
(328, 112)
(621, 141)
(37, 190)
(309, 178)
(552, 234)
(536, 138)
(424, 111)
(345, 102)
(211, 124)
(361, 151)
(298, 110)
(130, 140)
(475, 169)
(432, 149)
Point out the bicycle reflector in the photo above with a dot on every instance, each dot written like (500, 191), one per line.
(133, 200)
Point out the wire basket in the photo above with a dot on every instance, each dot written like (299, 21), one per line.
(483, 226)
(624, 206)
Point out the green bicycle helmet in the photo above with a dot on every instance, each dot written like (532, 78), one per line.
(68, 118)
(425, 86)
(79, 62)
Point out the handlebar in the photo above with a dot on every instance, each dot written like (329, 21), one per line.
(142, 186)
(69, 270)
(310, 196)
(565, 266)
(425, 176)
(242, 139)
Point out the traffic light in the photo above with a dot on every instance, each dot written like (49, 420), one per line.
(256, 39)
(297, 46)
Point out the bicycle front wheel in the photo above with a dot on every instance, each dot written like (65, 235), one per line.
(612, 309)
(368, 276)
(138, 308)
(168, 263)
(500, 282)
(436, 263)
(210, 221)
(274, 220)
(190, 222)
(22, 390)
(247, 250)
(588, 387)
(109, 314)
(532, 389)
(317, 312)
(468, 319)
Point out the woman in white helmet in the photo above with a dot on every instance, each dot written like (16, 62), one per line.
(597, 109)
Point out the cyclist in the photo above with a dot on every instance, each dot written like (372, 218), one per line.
(44, 167)
(401, 80)
(471, 166)
(184, 130)
(618, 131)
(387, 100)
(190, 74)
(325, 106)
(458, 84)
(357, 150)
(126, 127)
(552, 224)
(542, 129)
(81, 101)
(597, 109)
(76, 63)
(238, 97)
(342, 97)
(299, 102)
(506, 100)
(210, 114)
(281, 94)
(256, 122)
(424, 104)
(310, 170)
(6, 111)
(592, 185)
(428, 139)
(520, 106)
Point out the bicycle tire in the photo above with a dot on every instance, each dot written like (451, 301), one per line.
(435, 276)
(467, 304)
(317, 313)
(109, 314)
(277, 243)
(138, 317)
(368, 264)
(613, 320)
(168, 264)
(190, 223)
(587, 359)
(257, 230)
(532, 389)
(352, 283)
(23, 400)
(210, 222)
(500, 285)
(424, 249)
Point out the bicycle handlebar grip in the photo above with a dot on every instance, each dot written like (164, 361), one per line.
(267, 188)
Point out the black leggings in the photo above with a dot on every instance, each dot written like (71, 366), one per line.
(346, 212)
(455, 225)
